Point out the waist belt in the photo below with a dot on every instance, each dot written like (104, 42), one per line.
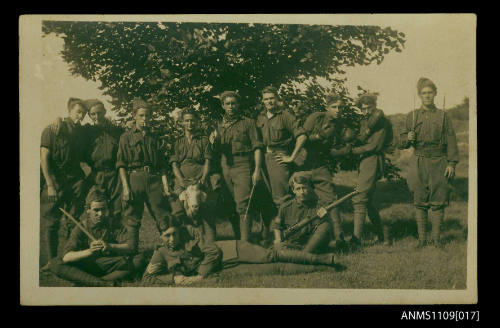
(276, 149)
(105, 168)
(430, 152)
(145, 168)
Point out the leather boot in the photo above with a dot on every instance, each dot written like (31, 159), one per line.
(245, 226)
(50, 243)
(300, 257)
(387, 235)
(77, 276)
(436, 219)
(421, 216)
(375, 219)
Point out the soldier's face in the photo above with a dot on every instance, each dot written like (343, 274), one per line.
(189, 122)
(76, 113)
(142, 118)
(269, 100)
(333, 108)
(366, 108)
(98, 212)
(427, 95)
(97, 114)
(170, 237)
(302, 191)
(230, 105)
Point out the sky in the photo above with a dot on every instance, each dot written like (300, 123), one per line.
(438, 47)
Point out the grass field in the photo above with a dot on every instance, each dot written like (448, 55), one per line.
(400, 266)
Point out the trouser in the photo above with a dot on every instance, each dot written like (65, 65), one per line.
(71, 197)
(436, 220)
(314, 239)
(324, 189)
(279, 174)
(146, 189)
(108, 181)
(369, 172)
(237, 173)
(431, 189)
(96, 272)
(251, 253)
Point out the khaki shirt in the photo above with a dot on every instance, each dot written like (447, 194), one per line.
(280, 130)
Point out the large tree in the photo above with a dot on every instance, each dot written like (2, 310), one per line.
(175, 65)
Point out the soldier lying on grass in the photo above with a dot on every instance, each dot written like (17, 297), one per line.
(186, 257)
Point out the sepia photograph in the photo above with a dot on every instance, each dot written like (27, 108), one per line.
(248, 159)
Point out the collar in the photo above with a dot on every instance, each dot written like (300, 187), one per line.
(432, 108)
(310, 203)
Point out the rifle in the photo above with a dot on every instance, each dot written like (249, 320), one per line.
(79, 225)
(290, 231)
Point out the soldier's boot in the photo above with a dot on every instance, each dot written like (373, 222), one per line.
(375, 219)
(235, 225)
(387, 235)
(338, 241)
(245, 226)
(301, 257)
(76, 275)
(421, 216)
(359, 222)
(436, 219)
(266, 236)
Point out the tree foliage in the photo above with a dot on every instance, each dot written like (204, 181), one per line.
(177, 65)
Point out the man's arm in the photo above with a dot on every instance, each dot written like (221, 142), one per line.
(258, 163)
(74, 256)
(49, 178)
(404, 141)
(156, 271)
(376, 143)
(121, 165)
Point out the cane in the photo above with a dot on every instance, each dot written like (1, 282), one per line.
(249, 201)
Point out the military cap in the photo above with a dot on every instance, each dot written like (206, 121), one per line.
(140, 103)
(368, 99)
(302, 177)
(425, 82)
(95, 195)
(89, 103)
(76, 101)
(227, 94)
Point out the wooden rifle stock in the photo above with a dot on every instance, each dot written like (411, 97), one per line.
(299, 225)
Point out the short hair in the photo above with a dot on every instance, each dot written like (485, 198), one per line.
(270, 89)
(168, 222)
(227, 94)
(72, 102)
(95, 195)
(189, 111)
(89, 103)
(367, 99)
(301, 177)
(332, 97)
(425, 82)
(139, 103)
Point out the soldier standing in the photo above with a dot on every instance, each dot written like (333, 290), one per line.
(429, 130)
(375, 139)
(280, 130)
(323, 132)
(191, 164)
(142, 168)
(240, 145)
(60, 157)
(104, 140)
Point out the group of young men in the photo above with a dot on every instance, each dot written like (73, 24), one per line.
(245, 170)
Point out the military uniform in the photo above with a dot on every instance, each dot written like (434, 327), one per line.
(64, 162)
(102, 152)
(238, 139)
(196, 256)
(370, 170)
(435, 149)
(278, 134)
(99, 269)
(140, 155)
(314, 237)
(318, 156)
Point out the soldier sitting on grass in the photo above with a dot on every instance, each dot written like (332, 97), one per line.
(102, 262)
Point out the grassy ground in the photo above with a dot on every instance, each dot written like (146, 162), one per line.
(400, 266)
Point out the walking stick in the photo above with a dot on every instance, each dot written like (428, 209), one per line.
(249, 201)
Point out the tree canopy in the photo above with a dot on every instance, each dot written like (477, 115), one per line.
(177, 65)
